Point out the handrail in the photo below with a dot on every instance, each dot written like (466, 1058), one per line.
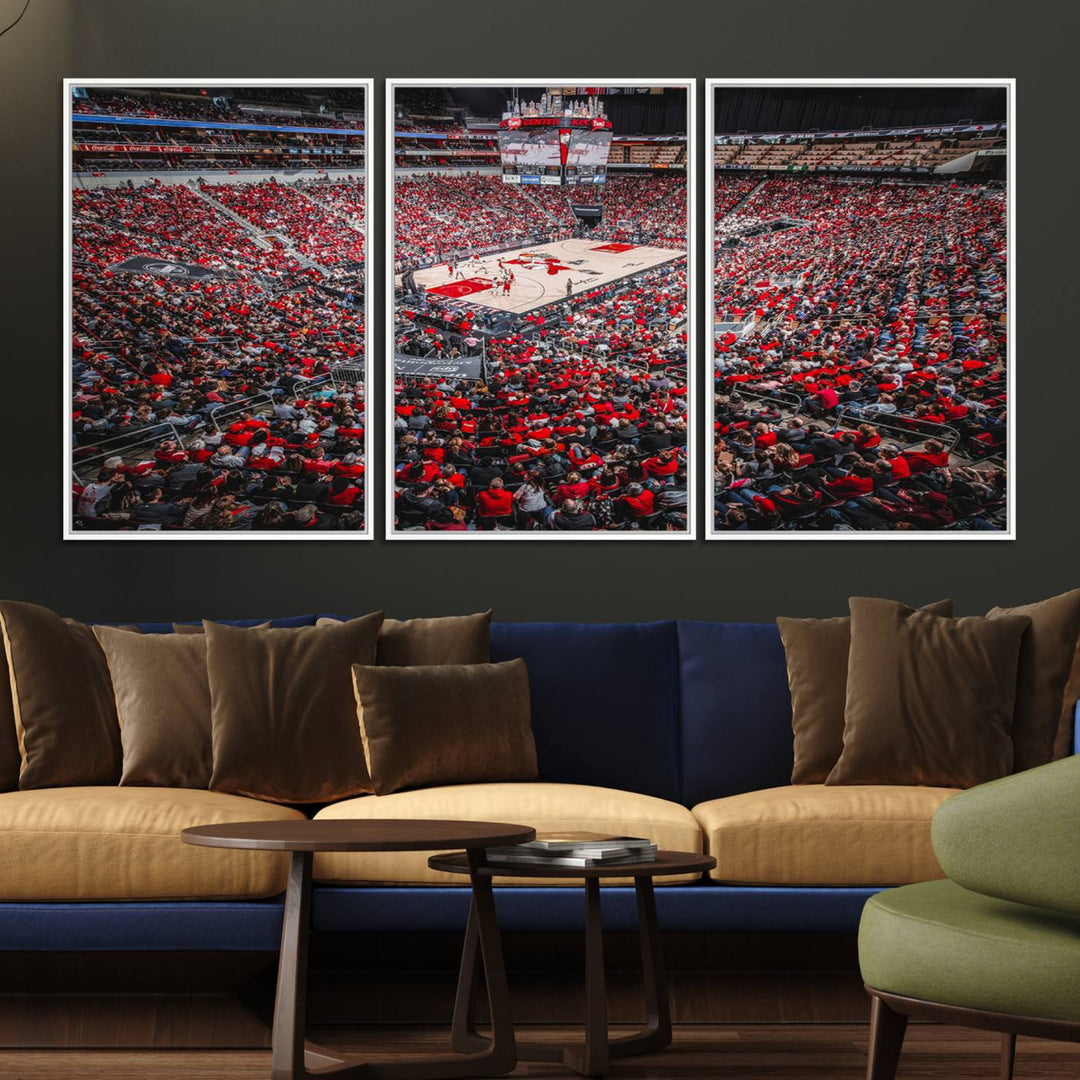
(944, 433)
(776, 397)
(349, 374)
(247, 404)
(140, 438)
(307, 386)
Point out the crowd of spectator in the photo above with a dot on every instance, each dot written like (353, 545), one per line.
(254, 142)
(580, 421)
(324, 221)
(860, 379)
(226, 104)
(231, 402)
(439, 214)
(649, 208)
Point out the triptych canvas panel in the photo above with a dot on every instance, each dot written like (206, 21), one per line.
(539, 369)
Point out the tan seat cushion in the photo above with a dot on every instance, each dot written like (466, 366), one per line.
(810, 834)
(546, 807)
(123, 843)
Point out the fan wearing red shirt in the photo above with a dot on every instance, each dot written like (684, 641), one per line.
(637, 502)
(663, 465)
(860, 481)
(493, 502)
(932, 456)
(574, 487)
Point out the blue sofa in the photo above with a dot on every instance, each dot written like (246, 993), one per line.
(685, 712)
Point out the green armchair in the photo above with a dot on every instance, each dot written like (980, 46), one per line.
(997, 944)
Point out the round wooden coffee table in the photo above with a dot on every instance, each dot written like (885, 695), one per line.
(593, 1056)
(291, 1057)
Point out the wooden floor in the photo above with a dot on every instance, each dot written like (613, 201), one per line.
(700, 1052)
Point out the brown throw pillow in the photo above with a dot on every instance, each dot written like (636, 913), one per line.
(817, 661)
(447, 724)
(929, 699)
(283, 713)
(197, 628)
(1065, 738)
(1046, 657)
(9, 739)
(62, 697)
(163, 703)
(455, 639)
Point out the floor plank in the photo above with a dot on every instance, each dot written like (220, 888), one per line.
(724, 1052)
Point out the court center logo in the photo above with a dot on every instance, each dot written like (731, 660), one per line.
(166, 269)
(534, 260)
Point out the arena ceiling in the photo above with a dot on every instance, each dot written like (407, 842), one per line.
(630, 114)
(816, 108)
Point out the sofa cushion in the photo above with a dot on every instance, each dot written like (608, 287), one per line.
(939, 942)
(447, 639)
(444, 724)
(123, 843)
(810, 834)
(736, 709)
(163, 704)
(10, 761)
(605, 701)
(196, 626)
(817, 663)
(452, 639)
(183, 629)
(283, 713)
(929, 699)
(1046, 660)
(546, 807)
(62, 696)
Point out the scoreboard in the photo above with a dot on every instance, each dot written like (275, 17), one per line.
(555, 150)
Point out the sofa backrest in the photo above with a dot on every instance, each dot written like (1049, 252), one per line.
(167, 627)
(735, 710)
(605, 701)
(686, 711)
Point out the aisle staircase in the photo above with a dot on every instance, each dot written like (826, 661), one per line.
(258, 238)
(746, 198)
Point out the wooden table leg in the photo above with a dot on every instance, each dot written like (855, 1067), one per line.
(592, 1058)
(464, 1037)
(292, 1058)
(501, 1052)
(290, 1011)
(656, 1034)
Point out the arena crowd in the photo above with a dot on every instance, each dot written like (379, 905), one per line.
(860, 378)
(581, 423)
(229, 402)
(436, 215)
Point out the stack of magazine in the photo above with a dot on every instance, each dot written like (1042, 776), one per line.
(575, 849)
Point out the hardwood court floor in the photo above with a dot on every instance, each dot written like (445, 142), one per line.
(715, 1052)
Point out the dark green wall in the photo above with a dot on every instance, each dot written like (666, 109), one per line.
(743, 580)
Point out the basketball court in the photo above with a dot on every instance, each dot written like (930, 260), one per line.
(541, 273)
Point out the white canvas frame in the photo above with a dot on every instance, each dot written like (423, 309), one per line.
(690, 86)
(711, 532)
(369, 443)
